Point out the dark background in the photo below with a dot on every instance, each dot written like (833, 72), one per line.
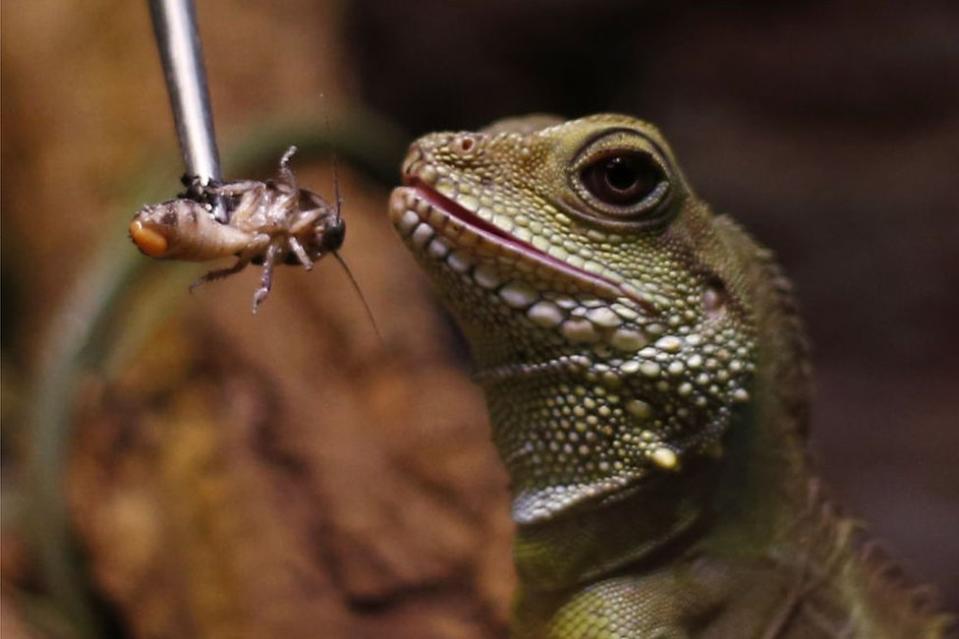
(830, 129)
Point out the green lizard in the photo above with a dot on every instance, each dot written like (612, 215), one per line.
(646, 377)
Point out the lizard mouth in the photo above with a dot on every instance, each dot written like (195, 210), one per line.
(424, 215)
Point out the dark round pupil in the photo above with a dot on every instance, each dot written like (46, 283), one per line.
(621, 173)
(622, 180)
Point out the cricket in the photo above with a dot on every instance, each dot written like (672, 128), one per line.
(270, 222)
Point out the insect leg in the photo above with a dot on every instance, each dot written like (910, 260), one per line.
(221, 273)
(266, 280)
(238, 188)
(305, 219)
(284, 173)
(300, 253)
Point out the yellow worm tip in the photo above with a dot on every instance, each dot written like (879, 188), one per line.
(147, 240)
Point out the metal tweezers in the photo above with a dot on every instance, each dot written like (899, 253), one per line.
(178, 39)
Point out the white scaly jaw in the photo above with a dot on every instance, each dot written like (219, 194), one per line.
(572, 306)
(447, 230)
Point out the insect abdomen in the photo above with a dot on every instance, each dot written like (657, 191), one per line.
(185, 230)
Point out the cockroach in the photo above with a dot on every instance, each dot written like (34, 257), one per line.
(271, 222)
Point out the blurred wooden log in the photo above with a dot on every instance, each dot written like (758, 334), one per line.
(288, 475)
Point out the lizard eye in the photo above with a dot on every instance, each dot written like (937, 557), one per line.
(625, 180)
(621, 179)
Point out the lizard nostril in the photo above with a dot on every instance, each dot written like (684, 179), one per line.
(463, 143)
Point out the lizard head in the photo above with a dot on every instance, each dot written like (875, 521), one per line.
(611, 332)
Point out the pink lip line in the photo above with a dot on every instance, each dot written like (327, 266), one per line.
(498, 236)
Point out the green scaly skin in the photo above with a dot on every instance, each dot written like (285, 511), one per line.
(646, 378)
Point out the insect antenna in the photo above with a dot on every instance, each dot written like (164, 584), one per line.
(337, 198)
(359, 292)
(337, 208)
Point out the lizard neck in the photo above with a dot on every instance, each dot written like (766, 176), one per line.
(650, 525)
(764, 484)
(740, 501)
